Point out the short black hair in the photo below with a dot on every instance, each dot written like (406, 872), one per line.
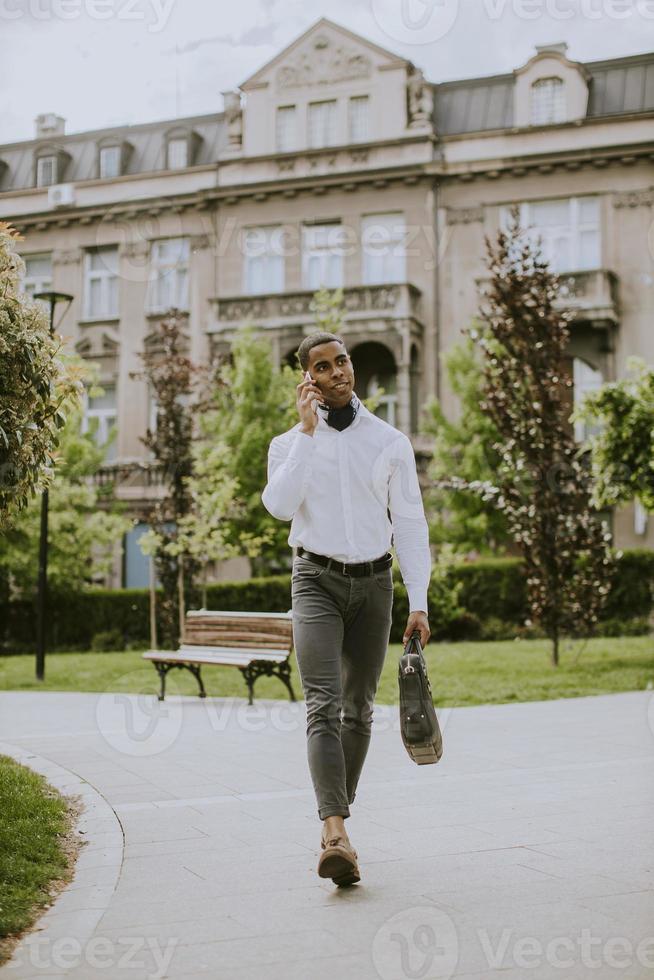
(313, 340)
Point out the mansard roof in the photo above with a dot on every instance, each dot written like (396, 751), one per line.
(618, 86)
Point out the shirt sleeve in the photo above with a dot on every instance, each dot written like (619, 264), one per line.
(410, 530)
(289, 468)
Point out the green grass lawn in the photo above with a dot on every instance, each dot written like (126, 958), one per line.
(34, 822)
(460, 673)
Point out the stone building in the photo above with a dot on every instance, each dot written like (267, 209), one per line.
(339, 164)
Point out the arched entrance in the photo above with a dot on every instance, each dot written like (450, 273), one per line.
(375, 369)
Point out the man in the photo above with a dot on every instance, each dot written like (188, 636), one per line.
(348, 482)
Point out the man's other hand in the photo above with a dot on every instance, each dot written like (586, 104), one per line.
(417, 621)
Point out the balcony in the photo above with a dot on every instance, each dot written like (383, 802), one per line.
(383, 330)
(135, 482)
(591, 296)
(271, 311)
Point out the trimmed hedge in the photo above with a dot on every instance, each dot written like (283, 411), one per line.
(492, 601)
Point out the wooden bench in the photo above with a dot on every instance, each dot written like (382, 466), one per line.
(256, 643)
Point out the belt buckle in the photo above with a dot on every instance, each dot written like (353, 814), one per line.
(344, 570)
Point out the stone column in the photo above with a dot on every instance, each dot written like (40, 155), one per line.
(403, 415)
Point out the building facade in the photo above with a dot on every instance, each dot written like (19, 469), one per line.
(339, 164)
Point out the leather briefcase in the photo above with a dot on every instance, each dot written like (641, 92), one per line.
(421, 733)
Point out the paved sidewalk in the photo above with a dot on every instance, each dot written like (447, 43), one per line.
(526, 852)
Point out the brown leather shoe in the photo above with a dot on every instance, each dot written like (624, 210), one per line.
(338, 861)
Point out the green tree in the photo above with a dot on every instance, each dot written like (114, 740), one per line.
(251, 403)
(541, 484)
(36, 388)
(83, 529)
(622, 446)
(174, 382)
(463, 447)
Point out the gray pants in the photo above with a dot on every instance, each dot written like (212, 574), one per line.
(341, 627)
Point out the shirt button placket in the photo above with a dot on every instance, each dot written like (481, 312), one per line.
(344, 475)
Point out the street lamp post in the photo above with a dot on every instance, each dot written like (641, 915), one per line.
(52, 298)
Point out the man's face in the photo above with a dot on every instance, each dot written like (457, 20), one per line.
(331, 368)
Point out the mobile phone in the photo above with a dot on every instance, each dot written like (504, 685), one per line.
(314, 403)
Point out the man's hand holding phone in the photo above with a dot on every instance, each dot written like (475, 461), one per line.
(308, 396)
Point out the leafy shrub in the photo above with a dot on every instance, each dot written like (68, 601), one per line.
(107, 640)
(484, 599)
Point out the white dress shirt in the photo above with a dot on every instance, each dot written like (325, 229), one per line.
(337, 489)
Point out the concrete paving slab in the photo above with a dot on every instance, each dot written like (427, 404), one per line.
(531, 840)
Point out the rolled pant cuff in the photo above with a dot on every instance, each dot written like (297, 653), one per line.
(333, 811)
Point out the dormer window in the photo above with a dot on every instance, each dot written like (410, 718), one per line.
(181, 147)
(46, 171)
(322, 124)
(110, 161)
(286, 128)
(177, 153)
(548, 101)
(359, 119)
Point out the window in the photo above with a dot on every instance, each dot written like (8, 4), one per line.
(286, 128)
(101, 283)
(38, 273)
(322, 124)
(46, 171)
(137, 565)
(640, 518)
(264, 260)
(387, 404)
(383, 242)
(322, 256)
(358, 119)
(110, 161)
(177, 153)
(547, 101)
(569, 228)
(100, 421)
(169, 275)
(585, 380)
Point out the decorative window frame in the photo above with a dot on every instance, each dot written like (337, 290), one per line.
(550, 63)
(193, 141)
(179, 270)
(61, 156)
(126, 149)
(559, 102)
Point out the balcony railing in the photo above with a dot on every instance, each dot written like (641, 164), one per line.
(394, 300)
(591, 296)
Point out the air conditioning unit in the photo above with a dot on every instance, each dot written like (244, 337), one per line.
(61, 195)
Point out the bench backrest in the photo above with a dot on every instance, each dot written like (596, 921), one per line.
(268, 631)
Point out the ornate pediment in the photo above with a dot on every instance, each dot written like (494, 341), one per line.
(325, 53)
(323, 60)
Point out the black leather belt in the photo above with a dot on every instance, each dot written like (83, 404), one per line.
(355, 569)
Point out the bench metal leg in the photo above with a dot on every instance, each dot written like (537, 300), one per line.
(195, 670)
(285, 678)
(162, 669)
(260, 667)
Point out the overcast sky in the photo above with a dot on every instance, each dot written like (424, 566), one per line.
(112, 62)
